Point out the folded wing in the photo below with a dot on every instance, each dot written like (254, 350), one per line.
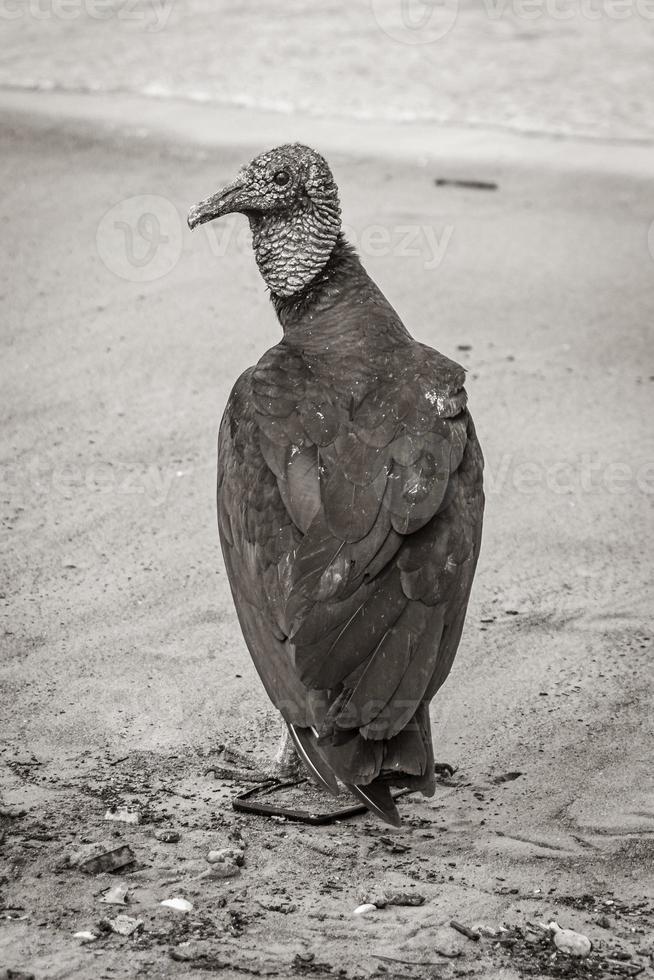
(351, 531)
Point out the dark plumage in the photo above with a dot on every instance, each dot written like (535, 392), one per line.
(349, 495)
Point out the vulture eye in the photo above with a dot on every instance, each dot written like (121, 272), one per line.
(282, 178)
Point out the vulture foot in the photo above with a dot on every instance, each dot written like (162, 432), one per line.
(234, 766)
(287, 764)
(444, 770)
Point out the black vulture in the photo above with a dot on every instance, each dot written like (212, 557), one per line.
(350, 495)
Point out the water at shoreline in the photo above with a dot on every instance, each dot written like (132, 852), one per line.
(569, 67)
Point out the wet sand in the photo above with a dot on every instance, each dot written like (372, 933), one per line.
(124, 669)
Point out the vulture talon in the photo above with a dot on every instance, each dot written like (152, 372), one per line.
(350, 497)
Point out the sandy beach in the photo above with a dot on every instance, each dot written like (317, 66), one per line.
(123, 667)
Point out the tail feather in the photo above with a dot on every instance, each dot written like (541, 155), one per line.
(377, 797)
(304, 740)
(409, 756)
(369, 769)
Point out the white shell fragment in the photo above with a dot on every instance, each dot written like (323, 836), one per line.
(116, 895)
(365, 909)
(85, 936)
(570, 942)
(178, 904)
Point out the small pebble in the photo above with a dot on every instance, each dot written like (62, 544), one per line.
(226, 854)
(226, 862)
(411, 899)
(570, 942)
(365, 909)
(375, 897)
(125, 925)
(123, 814)
(102, 857)
(168, 836)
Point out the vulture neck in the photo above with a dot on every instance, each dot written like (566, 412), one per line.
(340, 311)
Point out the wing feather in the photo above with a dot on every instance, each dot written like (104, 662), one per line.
(325, 664)
(300, 486)
(351, 510)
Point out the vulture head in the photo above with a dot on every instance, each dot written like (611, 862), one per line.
(291, 201)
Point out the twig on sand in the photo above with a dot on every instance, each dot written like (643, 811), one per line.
(477, 185)
(237, 775)
(439, 952)
(464, 930)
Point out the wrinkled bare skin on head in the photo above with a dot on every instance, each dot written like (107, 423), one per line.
(291, 201)
(293, 242)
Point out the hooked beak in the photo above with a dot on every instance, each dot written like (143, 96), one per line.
(223, 202)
